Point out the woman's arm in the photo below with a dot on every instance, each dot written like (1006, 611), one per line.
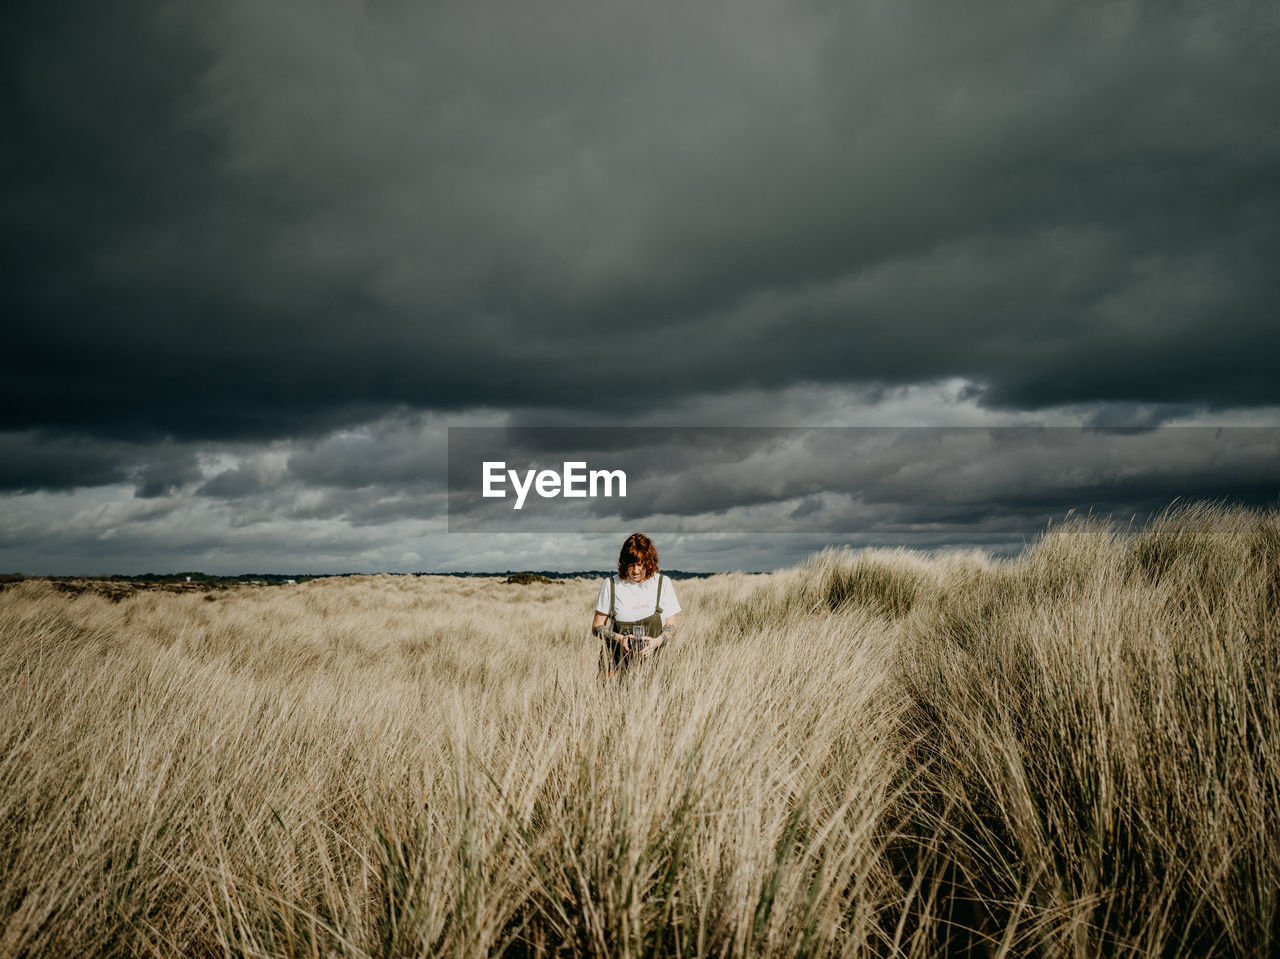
(600, 628)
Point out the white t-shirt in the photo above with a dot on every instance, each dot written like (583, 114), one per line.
(638, 600)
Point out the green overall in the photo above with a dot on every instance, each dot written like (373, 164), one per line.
(613, 657)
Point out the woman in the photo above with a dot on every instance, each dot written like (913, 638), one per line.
(636, 609)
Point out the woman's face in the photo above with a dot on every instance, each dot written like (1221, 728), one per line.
(635, 572)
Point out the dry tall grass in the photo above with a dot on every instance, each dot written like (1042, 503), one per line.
(1073, 753)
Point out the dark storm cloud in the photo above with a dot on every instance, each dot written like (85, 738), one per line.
(37, 460)
(386, 470)
(400, 452)
(30, 461)
(238, 482)
(249, 220)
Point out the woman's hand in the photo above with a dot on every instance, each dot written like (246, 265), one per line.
(651, 644)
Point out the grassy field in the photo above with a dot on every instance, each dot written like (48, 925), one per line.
(1073, 753)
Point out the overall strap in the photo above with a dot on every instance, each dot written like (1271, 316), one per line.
(657, 600)
(613, 601)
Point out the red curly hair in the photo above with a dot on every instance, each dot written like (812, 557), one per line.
(638, 549)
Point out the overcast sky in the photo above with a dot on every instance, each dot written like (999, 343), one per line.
(259, 257)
